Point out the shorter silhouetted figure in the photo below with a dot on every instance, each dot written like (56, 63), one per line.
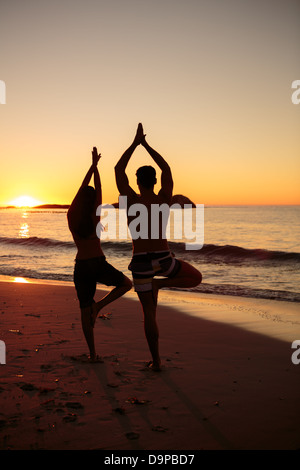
(91, 266)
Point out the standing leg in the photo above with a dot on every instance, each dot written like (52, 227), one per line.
(88, 331)
(150, 326)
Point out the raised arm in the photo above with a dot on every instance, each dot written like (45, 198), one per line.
(121, 177)
(166, 174)
(97, 180)
(88, 177)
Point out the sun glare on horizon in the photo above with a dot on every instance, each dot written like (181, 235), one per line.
(20, 280)
(25, 201)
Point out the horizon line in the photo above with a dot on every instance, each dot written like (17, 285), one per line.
(66, 206)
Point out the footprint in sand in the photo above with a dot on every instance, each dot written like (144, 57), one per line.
(70, 418)
(76, 405)
(132, 435)
(159, 428)
(84, 359)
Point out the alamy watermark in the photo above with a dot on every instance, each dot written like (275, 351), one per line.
(2, 353)
(296, 355)
(296, 94)
(2, 92)
(184, 224)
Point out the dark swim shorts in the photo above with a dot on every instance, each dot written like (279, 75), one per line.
(88, 272)
(144, 266)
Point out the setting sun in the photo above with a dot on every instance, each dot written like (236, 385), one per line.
(25, 201)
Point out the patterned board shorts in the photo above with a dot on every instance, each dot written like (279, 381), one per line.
(144, 266)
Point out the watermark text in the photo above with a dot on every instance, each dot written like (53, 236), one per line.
(296, 94)
(160, 221)
(2, 353)
(2, 92)
(296, 354)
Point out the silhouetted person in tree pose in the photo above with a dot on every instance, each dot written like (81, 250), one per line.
(90, 264)
(152, 256)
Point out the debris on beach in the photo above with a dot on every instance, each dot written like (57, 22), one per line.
(104, 316)
(136, 401)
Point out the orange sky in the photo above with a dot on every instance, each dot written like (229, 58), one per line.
(210, 81)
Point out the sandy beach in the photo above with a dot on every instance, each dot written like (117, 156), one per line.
(228, 381)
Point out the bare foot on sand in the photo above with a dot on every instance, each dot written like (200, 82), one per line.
(95, 359)
(154, 367)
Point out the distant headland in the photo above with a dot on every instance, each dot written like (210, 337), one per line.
(176, 199)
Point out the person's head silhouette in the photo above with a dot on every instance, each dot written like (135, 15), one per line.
(146, 176)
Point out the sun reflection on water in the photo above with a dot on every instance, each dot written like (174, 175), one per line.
(24, 228)
(24, 231)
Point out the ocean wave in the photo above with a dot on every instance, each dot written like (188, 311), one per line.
(230, 254)
(32, 274)
(204, 288)
(209, 253)
(37, 241)
(50, 242)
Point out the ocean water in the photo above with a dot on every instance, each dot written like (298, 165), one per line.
(251, 251)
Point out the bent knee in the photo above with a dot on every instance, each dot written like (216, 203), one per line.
(126, 283)
(198, 278)
(190, 272)
(195, 279)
